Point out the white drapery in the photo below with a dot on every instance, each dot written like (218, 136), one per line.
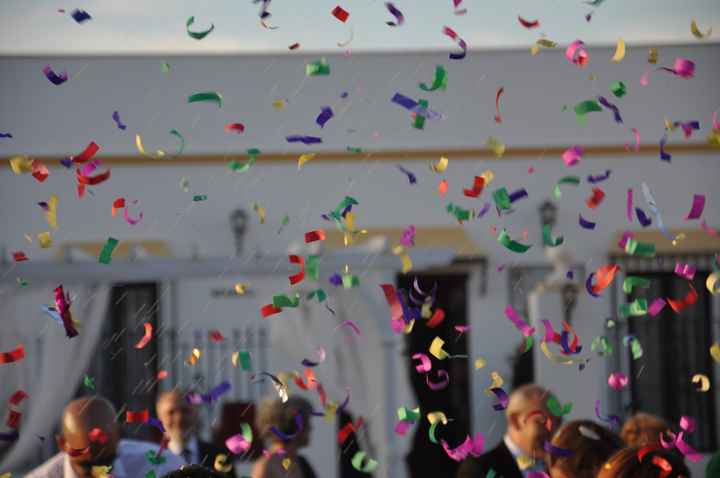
(53, 364)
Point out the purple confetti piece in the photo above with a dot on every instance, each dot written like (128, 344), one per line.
(570, 275)
(67, 162)
(54, 78)
(585, 224)
(698, 205)
(216, 391)
(588, 285)
(657, 306)
(484, 210)
(599, 178)
(414, 106)
(5, 135)
(411, 177)
(336, 279)
(157, 424)
(663, 155)
(303, 139)
(517, 195)
(45, 207)
(502, 397)
(325, 114)
(344, 94)
(289, 436)
(645, 221)
(399, 17)
(612, 419)
(687, 127)
(116, 118)
(616, 112)
(80, 15)
(12, 436)
(557, 451)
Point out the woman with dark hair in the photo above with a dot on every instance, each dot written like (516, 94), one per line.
(646, 462)
(584, 447)
(285, 427)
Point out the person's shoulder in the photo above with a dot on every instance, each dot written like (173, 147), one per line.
(53, 468)
(133, 453)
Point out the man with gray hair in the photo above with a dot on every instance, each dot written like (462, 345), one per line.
(522, 451)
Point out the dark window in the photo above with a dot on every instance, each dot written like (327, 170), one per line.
(675, 347)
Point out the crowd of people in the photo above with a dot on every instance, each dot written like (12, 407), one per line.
(535, 444)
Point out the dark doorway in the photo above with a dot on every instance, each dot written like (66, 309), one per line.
(425, 458)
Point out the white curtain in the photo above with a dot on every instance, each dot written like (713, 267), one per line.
(53, 364)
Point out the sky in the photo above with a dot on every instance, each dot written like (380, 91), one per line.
(158, 26)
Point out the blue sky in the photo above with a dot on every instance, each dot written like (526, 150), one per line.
(158, 26)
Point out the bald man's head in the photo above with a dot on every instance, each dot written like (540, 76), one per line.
(90, 434)
(529, 421)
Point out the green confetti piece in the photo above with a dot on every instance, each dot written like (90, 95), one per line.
(439, 82)
(502, 199)
(602, 345)
(587, 106)
(285, 220)
(345, 203)
(350, 149)
(641, 249)
(89, 382)
(317, 68)
(179, 136)
(244, 357)
(556, 408)
(574, 180)
(165, 67)
(357, 463)
(407, 414)
(200, 197)
(239, 167)
(618, 89)
(635, 347)
(153, 457)
(490, 473)
(282, 300)
(206, 96)
(431, 432)
(312, 267)
(529, 342)
(548, 239)
(319, 293)
(22, 282)
(150, 474)
(419, 122)
(197, 35)
(350, 281)
(636, 308)
(107, 250)
(504, 239)
(459, 213)
(632, 281)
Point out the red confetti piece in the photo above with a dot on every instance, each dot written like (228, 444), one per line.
(498, 116)
(13, 355)
(147, 337)
(137, 417)
(436, 319)
(604, 277)
(19, 256)
(268, 310)
(162, 374)
(442, 187)
(88, 153)
(528, 24)
(349, 428)
(340, 13)
(295, 278)
(216, 336)
(119, 203)
(478, 185)
(96, 435)
(595, 200)
(17, 397)
(689, 299)
(13, 419)
(92, 180)
(237, 127)
(39, 171)
(312, 236)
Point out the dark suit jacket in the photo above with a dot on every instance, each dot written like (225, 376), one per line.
(499, 459)
(207, 453)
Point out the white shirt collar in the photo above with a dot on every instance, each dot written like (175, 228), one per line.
(514, 449)
(192, 445)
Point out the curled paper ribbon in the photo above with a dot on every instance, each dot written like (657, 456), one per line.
(399, 18)
(613, 420)
(358, 459)
(303, 139)
(619, 51)
(425, 365)
(584, 223)
(703, 381)
(443, 383)
(53, 77)
(241, 442)
(147, 337)
(498, 116)
(528, 24)
(698, 205)
(599, 178)
(326, 113)
(461, 43)
(521, 325)
(577, 54)
(206, 96)
(514, 246)
(439, 81)
(15, 355)
(197, 35)
(503, 399)
(471, 446)
(686, 271)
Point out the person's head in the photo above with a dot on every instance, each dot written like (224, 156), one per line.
(283, 417)
(591, 446)
(177, 415)
(636, 462)
(643, 429)
(85, 446)
(529, 422)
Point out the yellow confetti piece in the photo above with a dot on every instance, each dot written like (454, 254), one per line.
(714, 137)
(194, 357)
(234, 358)
(304, 158)
(487, 176)
(652, 56)
(286, 463)
(260, 211)
(435, 417)
(619, 51)
(524, 462)
(279, 104)
(703, 380)
(426, 310)
(441, 165)
(678, 238)
(715, 352)
(436, 349)
(138, 143)
(713, 283)
(409, 327)
(697, 33)
(51, 213)
(480, 363)
(497, 382)
(221, 464)
(45, 239)
(20, 165)
(406, 261)
(240, 288)
(544, 43)
(330, 412)
(100, 471)
(495, 146)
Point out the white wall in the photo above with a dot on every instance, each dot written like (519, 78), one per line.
(61, 120)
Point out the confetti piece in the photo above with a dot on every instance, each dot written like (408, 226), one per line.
(107, 250)
(631, 282)
(572, 156)
(326, 113)
(703, 380)
(528, 24)
(442, 187)
(440, 166)
(636, 308)
(303, 139)
(519, 323)
(317, 68)
(45, 239)
(206, 96)
(19, 256)
(496, 146)
(340, 13)
(80, 16)
(577, 54)
(447, 31)
(316, 235)
(548, 240)
(697, 33)
(304, 158)
(294, 279)
(6, 135)
(584, 107)
(619, 51)
(498, 116)
(358, 459)
(165, 67)
(399, 17)
(682, 67)
(11, 356)
(477, 188)
(53, 77)
(503, 399)
(235, 127)
(200, 198)
(197, 35)
(242, 441)
(556, 408)
(162, 374)
(715, 352)
(137, 417)
(618, 89)
(436, 349)
(686, 271)
(616, 111)
(713, 283)
(603, 278)
(439, 82)
(597, 197)
(636, 134)
(504, 239)
(443, 383)
(412, 179)
(116, 119)
(147, 337)
(698, 205)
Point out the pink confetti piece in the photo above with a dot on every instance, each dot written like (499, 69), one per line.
(572, 156)
(425, 364)
(697, 207)
(577, 54)
(656, 307)
(635, 133)
(521, 325)
(461, 43)
(618, 381)
(629, 205)
(685, 271)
